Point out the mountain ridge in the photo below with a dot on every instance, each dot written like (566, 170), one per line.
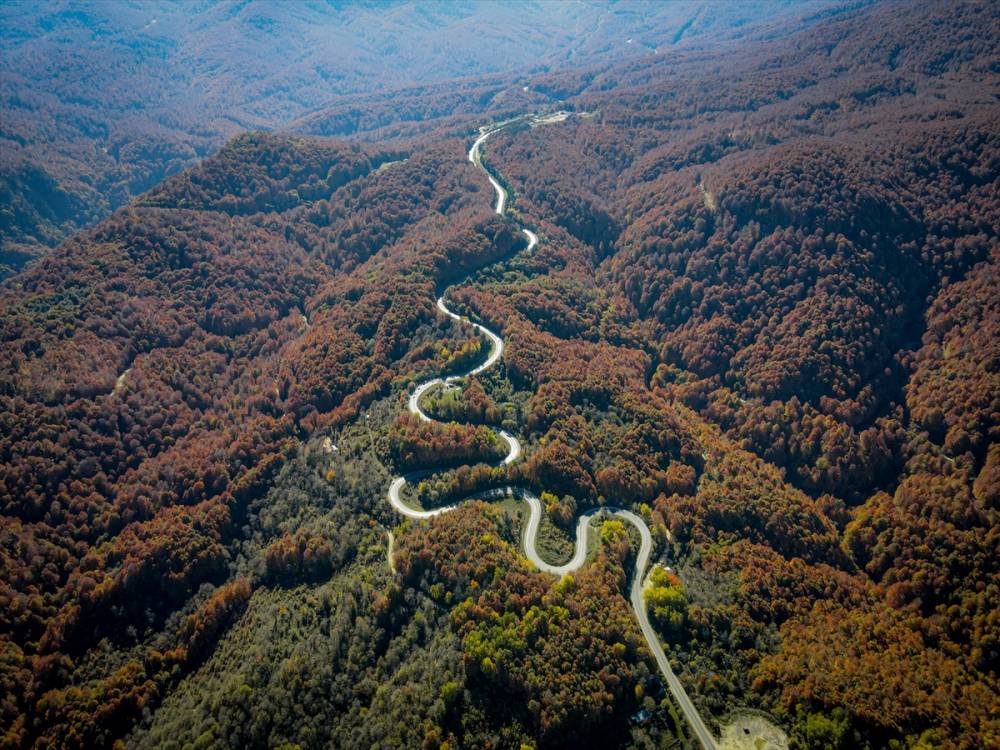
(762, 316)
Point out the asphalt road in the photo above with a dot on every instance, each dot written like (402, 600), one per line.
(530, 536)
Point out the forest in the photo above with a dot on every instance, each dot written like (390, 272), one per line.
(762, 315)
(103, 101)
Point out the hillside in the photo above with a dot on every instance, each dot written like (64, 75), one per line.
(761, 315)
(101, 101)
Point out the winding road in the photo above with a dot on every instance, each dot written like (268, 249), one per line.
(530, 534)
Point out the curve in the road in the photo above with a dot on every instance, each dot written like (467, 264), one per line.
(530, 534)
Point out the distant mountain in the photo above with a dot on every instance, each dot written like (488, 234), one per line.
(101, 101)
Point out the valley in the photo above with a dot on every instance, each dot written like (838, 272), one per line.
(467, 375)
(691, 714)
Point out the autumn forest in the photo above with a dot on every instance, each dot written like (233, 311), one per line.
(762, 315)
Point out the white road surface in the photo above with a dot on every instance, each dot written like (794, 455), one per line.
(530, 536)
(475, 158)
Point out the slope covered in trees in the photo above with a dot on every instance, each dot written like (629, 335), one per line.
(788, 253)
(763, 316)
(102, 101)
(159, 368)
